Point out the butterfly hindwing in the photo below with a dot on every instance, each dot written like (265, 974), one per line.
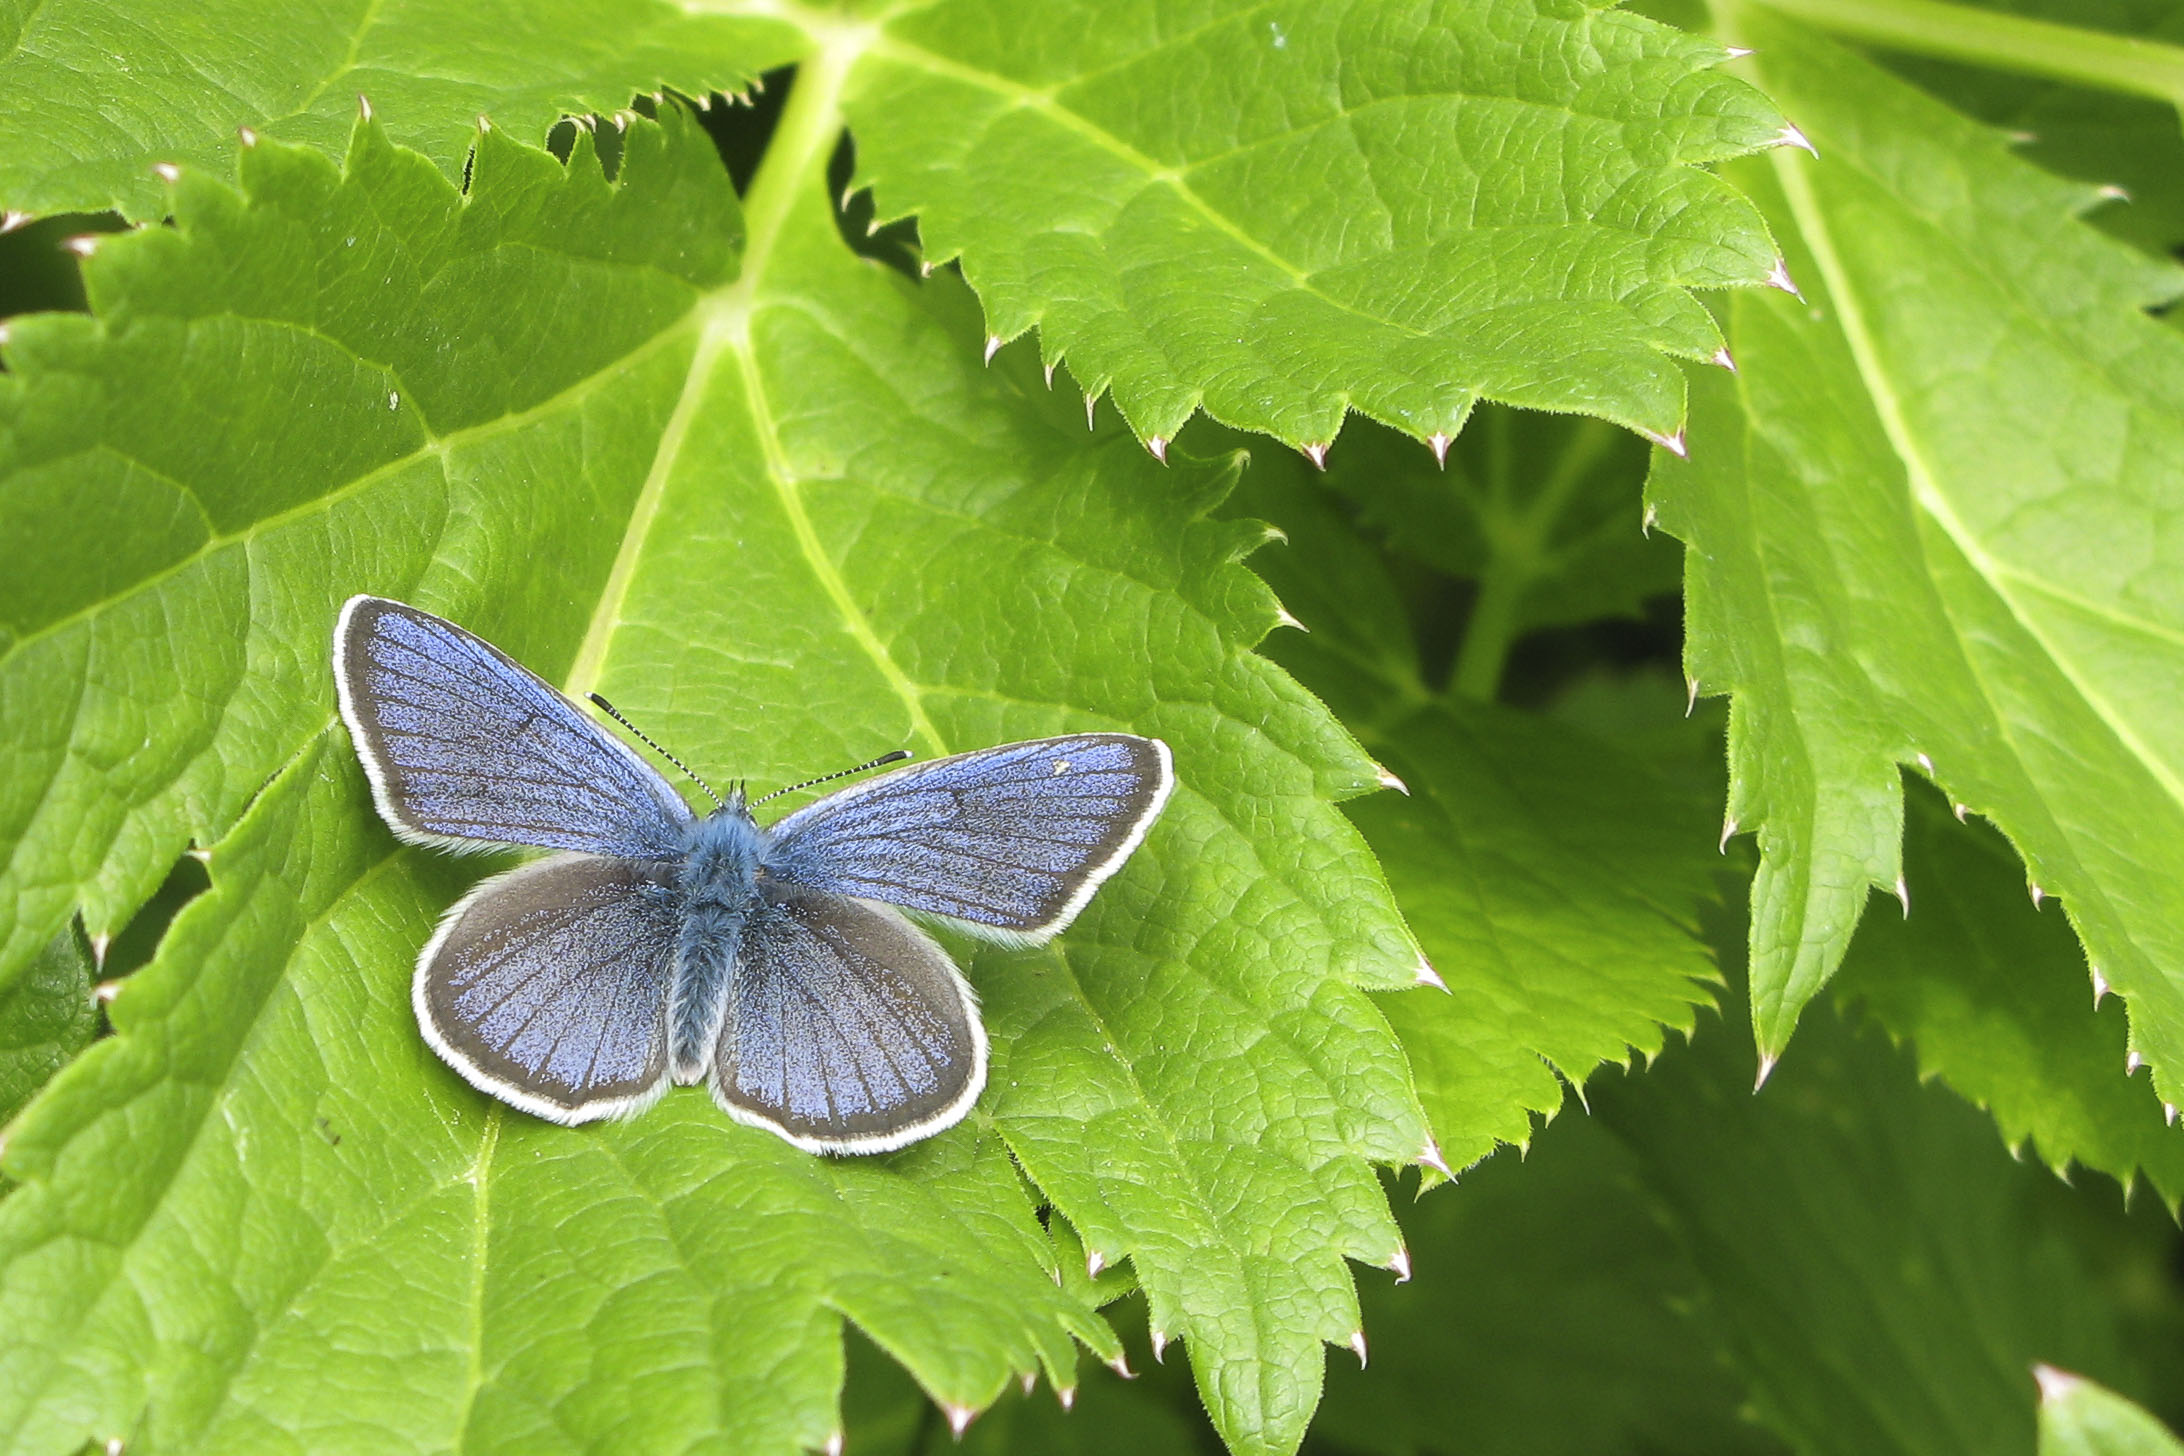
(548, 986)
(466, 749)
(1010, 842)
(847, 1029)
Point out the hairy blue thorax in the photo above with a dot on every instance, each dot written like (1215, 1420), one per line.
(721, 857)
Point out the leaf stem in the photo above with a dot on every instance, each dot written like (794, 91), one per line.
(2084, 57)
(1518, 549)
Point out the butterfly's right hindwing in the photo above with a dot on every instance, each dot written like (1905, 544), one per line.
(548, 986)
(466, 749)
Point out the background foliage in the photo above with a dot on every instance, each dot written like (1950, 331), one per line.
(816, 382)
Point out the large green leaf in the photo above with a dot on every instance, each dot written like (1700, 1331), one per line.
(1989, 992)
(785, 520)
(94, 95)
(1556, 882)
(1282, 215)
(1877, 1268)
(1927, 522)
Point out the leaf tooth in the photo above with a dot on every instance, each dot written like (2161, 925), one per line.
(1029, 1382)
(2038, 895)
(2168, 1113)
(1283, 617)
(1960, 810)
(1767, 1061)
(1691, 697)
(1672, 442)
(1728, 832)
(1399, 1261)
(83, 245)
(1790, 136)
(1648, 519)
(1389, 781)
(1426, 975)
(1440, 444)
(106, 991)
(2054, 1384)
(959, 1417)
(1429, 1156)
(1157, 444)
(834, 1444)
(1090, 400)
(1094, 1261)
(2132, 1061)
(1316, 453)
(1724, 359)
(2110, 192)
(1357, 1343)
(99, 943)
(993, 346)
(167, 172)
(2100, 986)
(1779, 277)
(1903, 896)
(1121, 1366)
(1737, 53)
(11, 220)
(246, 136)
(1067, 1395)
(1049, 368)
(1160, 1347)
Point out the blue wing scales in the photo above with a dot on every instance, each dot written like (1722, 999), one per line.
(467, 749)
(846, 1030)
(548, 986)
(1009, 842)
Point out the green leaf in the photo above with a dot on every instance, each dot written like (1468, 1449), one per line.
(145, 83)
(1556, 883)
(46, 1017)
(785, 520)
(1877, 1269)
(1544, 1322)
(1281, 217)
(2078, 1418)
(1922, 530)
(1987, 989)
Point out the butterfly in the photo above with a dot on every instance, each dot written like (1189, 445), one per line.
(654, 946)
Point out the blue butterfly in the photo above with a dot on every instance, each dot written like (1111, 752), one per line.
(773, 961)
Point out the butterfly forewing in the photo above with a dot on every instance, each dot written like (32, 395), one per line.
(847, 1030)
(465, 748)
(548, 986)
(1009, 841)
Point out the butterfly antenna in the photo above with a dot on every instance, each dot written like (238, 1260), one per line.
(616, 714)
(881, 762)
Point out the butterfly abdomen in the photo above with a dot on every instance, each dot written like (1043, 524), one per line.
(718, 886)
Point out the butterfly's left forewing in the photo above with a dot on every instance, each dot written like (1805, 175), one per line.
(1008, 842)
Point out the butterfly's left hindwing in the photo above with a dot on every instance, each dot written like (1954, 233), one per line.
(1009, 842)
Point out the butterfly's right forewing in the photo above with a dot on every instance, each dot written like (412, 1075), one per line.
(467, 749)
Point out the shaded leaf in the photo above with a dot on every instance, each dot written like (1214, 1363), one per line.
(1543, 1322)
(1555, 882)
(1874, 1265)
(46, 1017)
(1990, 992)
(1280, 216)
(1925, 529)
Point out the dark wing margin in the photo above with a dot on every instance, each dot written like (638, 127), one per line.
(466, 748)
(1008, 842)
(847, 1030)
(547, 987)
